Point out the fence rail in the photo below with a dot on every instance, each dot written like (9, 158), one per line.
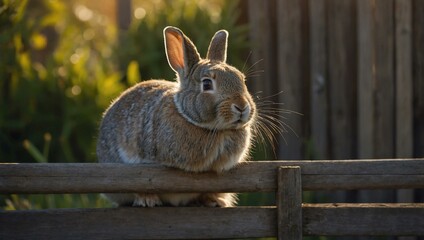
(290, 218)
(248, 177)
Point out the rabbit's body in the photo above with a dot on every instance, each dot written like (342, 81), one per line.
(200, 123)
(143, 135)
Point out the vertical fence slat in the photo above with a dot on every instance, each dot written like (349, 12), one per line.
(383, 98)
(319, 78)
(404, 91)
(418, 81)
(404, 110)
(384, 74)
(366, 85)
(289, 203)
(291, 73)
(418, 77)
(342, 77)
(262, 36)
(342, 82)
(262, 70)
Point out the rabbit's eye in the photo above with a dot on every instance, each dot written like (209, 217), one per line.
(207, 84)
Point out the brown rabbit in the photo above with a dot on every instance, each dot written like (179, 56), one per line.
(202, 122)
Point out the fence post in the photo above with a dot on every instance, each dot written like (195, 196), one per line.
(289, 203)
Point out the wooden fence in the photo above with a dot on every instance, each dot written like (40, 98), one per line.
(353, 68)
(290, 219)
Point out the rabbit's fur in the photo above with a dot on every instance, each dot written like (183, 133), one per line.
(200, 123)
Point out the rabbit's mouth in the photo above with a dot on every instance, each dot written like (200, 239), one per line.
(240, 123)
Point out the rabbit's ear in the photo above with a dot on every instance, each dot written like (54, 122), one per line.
(180, 51)
(218, 47)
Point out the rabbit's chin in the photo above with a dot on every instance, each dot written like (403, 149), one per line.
(232, 125)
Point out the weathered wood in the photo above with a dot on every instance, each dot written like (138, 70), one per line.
(248, 177)
(404, 88)
(195, 223)
(384, 74)
(139, 223)
(203, 183)
(289, 203)
(366, 79)
(383, 90)
(319, 79)
(364, 219)
(262, 37)
(261, 70)
(418, 63)
(342, 77)
(261, 73)
(292, 72)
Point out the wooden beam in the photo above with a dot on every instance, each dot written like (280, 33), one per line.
(289, 203)
(292, 70)
(363, 219)
(197, 222)
(248, 177)
(319, 79)
(342, 72)
(138, 223)
(366, 79)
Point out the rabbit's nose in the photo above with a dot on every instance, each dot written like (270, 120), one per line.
(242, 110)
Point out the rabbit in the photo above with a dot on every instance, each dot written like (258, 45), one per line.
(200, 122)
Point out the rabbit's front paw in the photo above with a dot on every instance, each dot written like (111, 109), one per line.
(217, 200)
(147, 200)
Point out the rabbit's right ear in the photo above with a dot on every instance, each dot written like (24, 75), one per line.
(181, 53)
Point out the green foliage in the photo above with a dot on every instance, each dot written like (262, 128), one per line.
(144, 41)
(25, 202)
(56, 78)
(62, 64)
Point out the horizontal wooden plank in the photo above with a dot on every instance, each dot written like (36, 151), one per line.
(248, 177)
(161, 184)
(139, 223)
(197, 222)
(315, 167)
(364, 219)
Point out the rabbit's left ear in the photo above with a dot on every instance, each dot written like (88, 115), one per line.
(181, 53)
(218, 47)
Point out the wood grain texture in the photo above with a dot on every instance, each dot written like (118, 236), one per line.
(341, 22)
(318, 78)
(364, 219)
(248, 177)
(418, 75)
(366, 80)
(289, 203)
(292, 71)
(212, 223)
(138, 223)
(384, 74)
(404, 86)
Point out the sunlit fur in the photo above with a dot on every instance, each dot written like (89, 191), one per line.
(175, 124)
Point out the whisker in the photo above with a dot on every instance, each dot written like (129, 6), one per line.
(279, 110)
(271, 126)
(245, 62)
(255, 63)
(271, 96)
(254, 72)
(253, 75)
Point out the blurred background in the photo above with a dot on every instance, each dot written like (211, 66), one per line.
(350, 74)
